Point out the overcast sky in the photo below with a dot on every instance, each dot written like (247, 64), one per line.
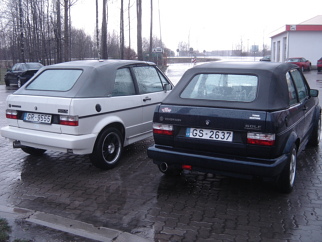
(204, 24)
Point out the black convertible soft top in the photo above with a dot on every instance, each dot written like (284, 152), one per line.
(97, 79)
(272, 91)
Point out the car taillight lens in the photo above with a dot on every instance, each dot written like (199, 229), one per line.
(165, 129)
(260, 138)
(68, 120)
(12, 114)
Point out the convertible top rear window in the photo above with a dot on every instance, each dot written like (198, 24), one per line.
(222, 87)
(55, 80)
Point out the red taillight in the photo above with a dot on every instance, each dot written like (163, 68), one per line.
(12, 114)
(187, 167)
(261, 139)
(68, 120)
(165, 129)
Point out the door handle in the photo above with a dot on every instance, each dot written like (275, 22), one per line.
(146, 99)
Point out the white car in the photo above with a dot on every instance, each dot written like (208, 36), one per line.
(86, 107)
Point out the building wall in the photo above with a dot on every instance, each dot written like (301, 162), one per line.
(307, 44)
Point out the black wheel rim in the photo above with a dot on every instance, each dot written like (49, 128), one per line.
(111, 148)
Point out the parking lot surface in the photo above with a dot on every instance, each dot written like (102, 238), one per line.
(137, 199)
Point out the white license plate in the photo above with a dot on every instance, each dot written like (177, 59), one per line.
(210, 134)
(37, 118)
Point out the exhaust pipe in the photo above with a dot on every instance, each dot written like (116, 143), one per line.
(17, 144)
(164, 166)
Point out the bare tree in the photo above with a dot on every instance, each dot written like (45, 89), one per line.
(22, 41)
(122, 31)
(97, 33)
(104, 31)
(139, 28)
(58, 32)
(151, 24)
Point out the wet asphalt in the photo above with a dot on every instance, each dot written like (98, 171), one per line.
(136, 199)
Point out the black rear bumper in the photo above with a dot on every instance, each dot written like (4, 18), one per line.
(237, 166)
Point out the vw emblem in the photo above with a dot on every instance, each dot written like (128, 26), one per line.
(207, 122)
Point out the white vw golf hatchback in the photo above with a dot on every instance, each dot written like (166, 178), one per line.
(86, 107)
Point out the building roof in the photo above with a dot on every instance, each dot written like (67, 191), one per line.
(313, 24)
(317, 20)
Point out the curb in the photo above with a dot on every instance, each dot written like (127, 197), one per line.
(70, 226)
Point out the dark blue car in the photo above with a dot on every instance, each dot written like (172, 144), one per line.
(241, 119)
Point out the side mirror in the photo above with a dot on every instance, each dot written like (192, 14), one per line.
(314, 93)
(167, 87)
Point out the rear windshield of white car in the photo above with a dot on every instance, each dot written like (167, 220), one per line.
(222, 87)
(55, 80)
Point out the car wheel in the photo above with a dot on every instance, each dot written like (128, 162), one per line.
(108, 149)
(7, 83)
(287, 177)
(302, 68)
(33, 151)
(316, 133)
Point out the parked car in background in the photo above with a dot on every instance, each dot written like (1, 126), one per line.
(319, 64)
(266, 58)
(86, 107)
(304, 64)
(21, 73)
(240, 119)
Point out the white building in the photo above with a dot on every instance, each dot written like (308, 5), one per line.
(298, 40)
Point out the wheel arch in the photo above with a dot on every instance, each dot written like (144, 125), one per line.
(293, 139)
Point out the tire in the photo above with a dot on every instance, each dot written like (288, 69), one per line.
(7, 83)
(302, 69)
(316, 133)
(108, 149)
(33, 151)
(286, 179)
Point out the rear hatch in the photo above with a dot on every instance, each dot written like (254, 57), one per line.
(38, 112)
(212, 130)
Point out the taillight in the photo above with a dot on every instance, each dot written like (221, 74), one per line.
(68, 120)
(165, 129)
(261, 139)
(12, 114)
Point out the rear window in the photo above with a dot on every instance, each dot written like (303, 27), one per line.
(55, 80)
(222, 87)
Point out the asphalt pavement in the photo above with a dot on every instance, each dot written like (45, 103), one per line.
(62, 197)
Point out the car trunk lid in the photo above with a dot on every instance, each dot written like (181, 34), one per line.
(38, 112)
(214, 130)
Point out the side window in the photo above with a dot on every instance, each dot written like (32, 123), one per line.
(300, 84)
(16, 67)
(291, 89)
(123, 85)
(148, 79)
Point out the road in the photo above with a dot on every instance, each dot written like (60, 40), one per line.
(137, 199)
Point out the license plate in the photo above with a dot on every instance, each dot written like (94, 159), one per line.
(37, 118)
(210, 134)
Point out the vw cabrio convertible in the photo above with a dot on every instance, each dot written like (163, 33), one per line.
(242, 119)
(86, 107)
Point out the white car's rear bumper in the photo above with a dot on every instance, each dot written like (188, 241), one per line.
(82, 144)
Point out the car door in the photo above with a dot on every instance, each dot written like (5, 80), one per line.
(12, 75)
(150, 83)
(307, 104)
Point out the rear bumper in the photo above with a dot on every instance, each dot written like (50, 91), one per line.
(237, 166)
(81, 144)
